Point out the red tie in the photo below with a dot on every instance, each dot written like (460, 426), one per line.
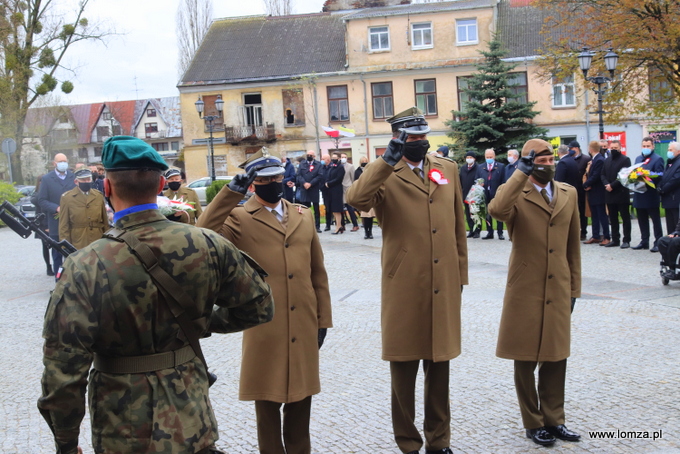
(490, 167)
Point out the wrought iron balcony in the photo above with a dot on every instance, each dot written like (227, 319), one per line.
(250, 133)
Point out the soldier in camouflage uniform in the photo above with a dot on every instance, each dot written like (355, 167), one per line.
(82, 212)
(105, 306)
(181, 192)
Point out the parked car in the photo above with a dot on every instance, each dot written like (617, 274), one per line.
(25, 191)
(202, 184)
(24, 204)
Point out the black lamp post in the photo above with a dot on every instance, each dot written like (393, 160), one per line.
(200, 106)
(585, 58)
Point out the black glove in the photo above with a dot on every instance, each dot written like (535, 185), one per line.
(395, 149)
(526, 163)
(242, 181)
(573, 303)
(212, 378)
(322, 336)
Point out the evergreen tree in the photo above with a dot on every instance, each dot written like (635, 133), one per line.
(494, 117)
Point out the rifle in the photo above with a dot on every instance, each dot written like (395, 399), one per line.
(16, 221)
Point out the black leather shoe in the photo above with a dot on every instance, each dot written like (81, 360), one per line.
(489, 236)
(562, 433)
(654, 249)
(318, 230)
(640, 246)
(328, 227)
(500, 236)
(583, 236)
(476, 235)
(441, 451)
(541, 436)
(470, 233)
(50, 272)
(612, 244)
(625, 245)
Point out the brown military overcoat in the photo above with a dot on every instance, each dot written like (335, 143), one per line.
(187, 195)
(280, 359)
(424, 256)
(82, 218)
(544, 271)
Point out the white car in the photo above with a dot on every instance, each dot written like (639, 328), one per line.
(201, 185)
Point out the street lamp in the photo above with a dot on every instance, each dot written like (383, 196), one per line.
(585, 58)
(200, 106)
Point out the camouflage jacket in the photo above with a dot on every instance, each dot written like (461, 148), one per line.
(106, 303)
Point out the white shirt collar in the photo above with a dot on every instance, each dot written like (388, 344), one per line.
(548, 189)
(278, 209)
(419, 166)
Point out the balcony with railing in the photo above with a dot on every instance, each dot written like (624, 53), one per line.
(250, 133)
(152, 135)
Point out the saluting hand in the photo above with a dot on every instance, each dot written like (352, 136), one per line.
(395, 149)
(526, 163)
(242, 181)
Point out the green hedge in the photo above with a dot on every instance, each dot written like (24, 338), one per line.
(8, 192)
(212, 190)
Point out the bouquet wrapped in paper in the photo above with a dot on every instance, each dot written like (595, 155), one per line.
(477, 202)
(173, 207)
(636, 178)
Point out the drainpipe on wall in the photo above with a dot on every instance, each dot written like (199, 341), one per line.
(368, 150)
(316, 120)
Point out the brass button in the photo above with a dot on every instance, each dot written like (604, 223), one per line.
(290, 276)
(551, 251)
(292, 340)
(548, 302)
(436, 260)
(292, 308)
(550, 276)
(436, 291)
(431, 200)
(434, 230)
(285, 244)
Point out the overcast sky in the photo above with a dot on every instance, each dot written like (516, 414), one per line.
(140, 62)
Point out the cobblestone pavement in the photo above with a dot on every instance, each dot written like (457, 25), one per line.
(623, 373)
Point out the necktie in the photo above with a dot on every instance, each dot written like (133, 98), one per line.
(544, 193)
(416, 170)
(276, 215)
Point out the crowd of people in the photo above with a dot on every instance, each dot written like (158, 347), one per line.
(602, 195)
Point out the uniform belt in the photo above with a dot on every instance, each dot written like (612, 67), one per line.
(144, 363)
(91, 224)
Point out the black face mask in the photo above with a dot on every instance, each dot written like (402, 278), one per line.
(101, 177)
(174, 185)
(310, 158)
(363, 164)
(270, 193)
(615, 152)
(334, 161)
(85, 187)
(415, 151)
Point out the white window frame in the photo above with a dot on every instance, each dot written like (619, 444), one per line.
(370, 35)
(563, 85)
(467, 24)
(420, 31)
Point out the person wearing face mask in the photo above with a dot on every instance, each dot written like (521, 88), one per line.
(309, 180)
(669, 187)
(52, 186)
(513, 160)
(468, 175)
(582, 163)
(492, 173)
(325, 192)
(419, 205)
(616, 196)
(280, 361)
(82, 212)
(647, 204)
(177, 190)
(346, 183)
(544, 280)
(595, 193)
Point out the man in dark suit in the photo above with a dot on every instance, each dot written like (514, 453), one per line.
(52, 186)
(288, 180)
(647, 203)
(468, 174)
(309, 178)
(669, 187)
(325, 192)
(493, 174)
(595, 193)
(617, 196)
(582, 161)
(513, 160)
(566, 170)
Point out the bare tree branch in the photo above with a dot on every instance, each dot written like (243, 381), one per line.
(193, 22)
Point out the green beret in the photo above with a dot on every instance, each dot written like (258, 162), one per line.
(130, 153)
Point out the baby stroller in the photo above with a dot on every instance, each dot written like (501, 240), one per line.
(668, 246)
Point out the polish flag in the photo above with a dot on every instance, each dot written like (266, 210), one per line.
(331, 132)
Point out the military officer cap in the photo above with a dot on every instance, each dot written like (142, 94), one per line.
(130, 153)
(410, 121)
(540, 147)
(172, 173)
(83, 174)
(264, 163)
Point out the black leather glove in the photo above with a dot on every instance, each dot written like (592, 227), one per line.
(242, 181)
(395, 150)
(322, 336)
(573, 303)
(526, 163)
